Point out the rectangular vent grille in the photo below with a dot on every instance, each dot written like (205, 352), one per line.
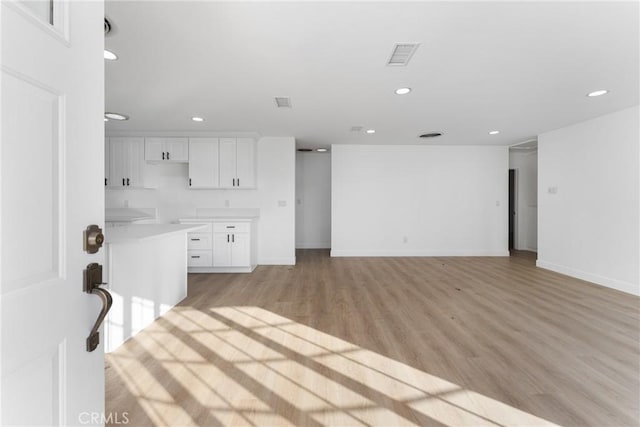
(356, 128)
(402, 53)
(283, 102)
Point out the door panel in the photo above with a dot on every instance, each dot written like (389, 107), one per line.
(203, 163)
(135, 162)
(178, 149)
(52, 187)
(154, 149)
(227, 162)
(240, 250)
(221, 250)
(245, 163)
(118, 152)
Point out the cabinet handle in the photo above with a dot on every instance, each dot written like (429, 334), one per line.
(167, 155)
(233, 238)
(231, 226)
(123, 181)
(195, 240)
(163, 155)
(238, 181)
(189, 182)
(227, 238)
(195, 256)
(105, 181)
(127, 181)
(234, 182)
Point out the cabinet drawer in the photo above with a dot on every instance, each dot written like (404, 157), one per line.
(228, 227)
(206, 229)
(199, 259)
(199, 241)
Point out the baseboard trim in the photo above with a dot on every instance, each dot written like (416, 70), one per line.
(608, 282)
(350, 253)
(277, 261)
(314, 245)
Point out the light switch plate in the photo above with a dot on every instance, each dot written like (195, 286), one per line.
(282, 203)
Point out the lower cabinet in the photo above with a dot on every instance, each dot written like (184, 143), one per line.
(223, 247)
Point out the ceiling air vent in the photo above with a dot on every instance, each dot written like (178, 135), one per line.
(356, 128)
(283, 102)
(402, 53)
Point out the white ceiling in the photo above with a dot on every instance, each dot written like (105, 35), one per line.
(521, 68)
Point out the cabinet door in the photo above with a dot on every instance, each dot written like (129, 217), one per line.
(240, 250)
(154, 149)
(106, 161)
(203, 163)
(118, 152)
(135, 162)
(176, 149)
(221, 249)
(245, 163)
(227, 162)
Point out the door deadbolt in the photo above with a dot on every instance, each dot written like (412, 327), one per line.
(93, 239)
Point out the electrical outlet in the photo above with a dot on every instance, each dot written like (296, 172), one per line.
(552, 190)
(282, 203)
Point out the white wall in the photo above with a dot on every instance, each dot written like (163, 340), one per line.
(276, 183)
(526, 166)
(443, 200)
(313, 200)
(589, 228)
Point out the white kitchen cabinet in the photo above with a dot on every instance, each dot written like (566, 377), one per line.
(204, 163)
(125, 162)
(161, 149)
(228, 246)
(237, 163)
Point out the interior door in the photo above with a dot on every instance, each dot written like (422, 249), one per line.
(51, 188)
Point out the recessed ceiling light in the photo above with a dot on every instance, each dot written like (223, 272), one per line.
(197, 119)
(321, 150)
(371, 131)
(110, 55)
(430, 135)
(403, 91)
(494, 132)
(116, 116)
(597, 93)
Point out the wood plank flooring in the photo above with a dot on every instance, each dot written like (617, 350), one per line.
(385, 342)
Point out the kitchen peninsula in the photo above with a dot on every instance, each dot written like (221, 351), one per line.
(146, 274)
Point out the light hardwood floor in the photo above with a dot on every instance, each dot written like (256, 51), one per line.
(385, 341)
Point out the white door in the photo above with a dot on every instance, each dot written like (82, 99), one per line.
(221, 249)
(203, 163)
(177, 149)
(154, 149)
(240, 250)
(245, 163)
(227, 162)
(52, 187)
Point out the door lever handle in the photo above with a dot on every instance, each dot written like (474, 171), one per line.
(91, 285)
(94, 337)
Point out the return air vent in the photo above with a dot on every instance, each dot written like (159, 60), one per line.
(283, 102)
(356, 128)
(402, 53)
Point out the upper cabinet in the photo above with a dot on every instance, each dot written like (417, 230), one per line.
(237, 163)
(157, 149)
(124, 162)
(227, 163)
(204, 171)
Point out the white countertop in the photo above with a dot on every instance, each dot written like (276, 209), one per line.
(138, 232)
(128, 214)
(219, 218)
